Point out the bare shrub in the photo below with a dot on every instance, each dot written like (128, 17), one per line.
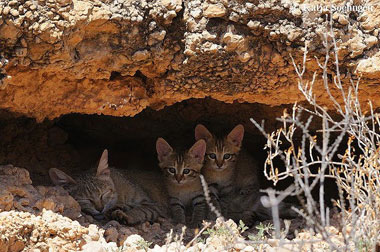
(316, 157)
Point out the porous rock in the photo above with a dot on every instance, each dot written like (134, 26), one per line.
(64, 55)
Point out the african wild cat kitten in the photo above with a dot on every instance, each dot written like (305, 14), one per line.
(227, 167)
(231, 173)
(181, 171)
(126, 197)
(226, 161)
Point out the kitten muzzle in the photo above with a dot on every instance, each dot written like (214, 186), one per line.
(219, 164)
(178, 178)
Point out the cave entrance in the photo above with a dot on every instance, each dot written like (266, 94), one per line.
(75, 142)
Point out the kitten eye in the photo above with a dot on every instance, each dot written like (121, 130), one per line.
(227, 156)
(186, 171)
(212, 155)
(171, 170)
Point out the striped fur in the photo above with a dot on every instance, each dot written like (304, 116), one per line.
(181, 171)
(229, 171)
(127, 196)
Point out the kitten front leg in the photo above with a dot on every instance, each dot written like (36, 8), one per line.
(119, 215)
(133, 215)
(177, 210)
(199, 211)
(226, 195)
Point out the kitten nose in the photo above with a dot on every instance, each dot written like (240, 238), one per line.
(178, 177)
(219, 163)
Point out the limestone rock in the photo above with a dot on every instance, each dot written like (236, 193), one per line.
(168, 44)
(214, 10)
(22, 230)
(17, 193)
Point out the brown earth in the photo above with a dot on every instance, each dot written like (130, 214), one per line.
(119, 57)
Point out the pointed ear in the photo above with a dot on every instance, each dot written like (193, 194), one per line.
(198, 150)
(58, 177)
(236, 135)
(201, 132)
(103, 168)
(163, 149)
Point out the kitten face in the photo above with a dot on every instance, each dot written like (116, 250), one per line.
(181, 168)
(95, 192)
(221, 153)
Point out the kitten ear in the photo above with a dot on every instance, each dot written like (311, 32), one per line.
(201, 132)
(103, 168)
(236, 135)
(58, 177)
(163, 148)
(198, 150)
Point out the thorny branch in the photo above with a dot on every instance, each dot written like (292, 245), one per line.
(316, 157)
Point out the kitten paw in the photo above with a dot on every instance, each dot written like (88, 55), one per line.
(121, 217)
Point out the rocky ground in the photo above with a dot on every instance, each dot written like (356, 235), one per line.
(46, 218)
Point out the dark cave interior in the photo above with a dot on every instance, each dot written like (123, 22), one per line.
(74, 142)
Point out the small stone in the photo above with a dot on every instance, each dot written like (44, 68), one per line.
(371, 41)
(6, 10)
(253, 24)
(214, 10)
(189, 52)
(343, 20)
(14, 12)
(44, 26)
(239, 246)
(93, 232)
(93, 247)
(171, 4)
(335, 16)
(159, 35)
(233, 41)
(296, 12)
(21, 52)
(244, 57)
(29, 15)
(234, 17)
(196, 13)
(249, 248)
(12, 3)
(64, 2)
(293, 35)
(141, 55)
(133, 240)
(6, 200)
(28, 3)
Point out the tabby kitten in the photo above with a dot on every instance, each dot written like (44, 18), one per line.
(181, 171)
(231, 173)
(113, 192)
(227, 167)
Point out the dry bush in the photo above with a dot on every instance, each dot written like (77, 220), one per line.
(356, 170)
